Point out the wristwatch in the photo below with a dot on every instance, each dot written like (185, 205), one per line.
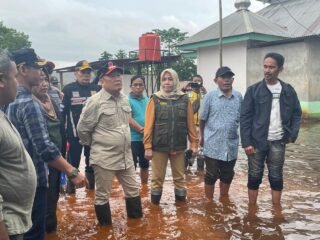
(74, 173)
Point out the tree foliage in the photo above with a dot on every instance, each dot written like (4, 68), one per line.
(11, 39)
(170, 38)
(105, 56)
(121, 54)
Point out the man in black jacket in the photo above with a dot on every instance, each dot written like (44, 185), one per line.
(75, 95)
(270, 118)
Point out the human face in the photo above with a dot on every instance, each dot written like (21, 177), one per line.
(83, 76)
(137, 87)
(167, 83)
(42, 88)
(112, 83)
(271, 70)
(225, 82)
(32, 75)
(8, 85)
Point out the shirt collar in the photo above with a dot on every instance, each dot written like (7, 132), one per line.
(221, 94)
(23, 89)
(136, 97)
(108, 96)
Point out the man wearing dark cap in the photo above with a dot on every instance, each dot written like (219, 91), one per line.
(219, 122)
(75, 95)
(54, 82)
(26, 115)
(104, 125)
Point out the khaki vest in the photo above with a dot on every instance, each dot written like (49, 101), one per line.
(170, 126)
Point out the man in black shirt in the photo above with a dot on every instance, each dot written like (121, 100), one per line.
(75, 95)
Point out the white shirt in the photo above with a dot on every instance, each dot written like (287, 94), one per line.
(275, 126)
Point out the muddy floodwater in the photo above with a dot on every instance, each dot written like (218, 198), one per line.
(198, 218)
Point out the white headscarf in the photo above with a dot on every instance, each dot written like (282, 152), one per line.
(175, 93)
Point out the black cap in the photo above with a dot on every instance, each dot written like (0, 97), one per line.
(108, 69)
(48, 68)
(54, 80)
(223, 71)
(83, 65)
(28, 56)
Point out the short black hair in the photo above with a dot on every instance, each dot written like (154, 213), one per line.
(5, 61)
(136, 77)
(197, 75)
(277, 57)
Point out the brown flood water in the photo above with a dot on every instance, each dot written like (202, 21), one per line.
(299, 218)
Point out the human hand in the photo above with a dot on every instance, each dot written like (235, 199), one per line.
(194, 152)
(148, 154)
(249, 150)
(80, 181)
(201, 142)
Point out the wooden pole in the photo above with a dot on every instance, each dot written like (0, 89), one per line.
(220, 32)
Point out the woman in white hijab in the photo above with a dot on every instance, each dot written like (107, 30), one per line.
(169, 121)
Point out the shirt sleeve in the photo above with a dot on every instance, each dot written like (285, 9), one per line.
(65, 103)
(246, 119)
(204, 108)
(1, 208)
(192, 132)
(37, 131)
(148, 127)
(87, 122)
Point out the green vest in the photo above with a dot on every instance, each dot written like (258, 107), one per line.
(170, 125)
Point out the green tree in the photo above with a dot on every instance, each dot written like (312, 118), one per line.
(105, 56)
(121, 54)
(170, 38)
(185, 67)
(11, 39)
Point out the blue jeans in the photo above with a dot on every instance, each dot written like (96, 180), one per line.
(38, 216)
(274, 158)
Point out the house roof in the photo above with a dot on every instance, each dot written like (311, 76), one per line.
(238, 23)
(306, 13)
(279, 20)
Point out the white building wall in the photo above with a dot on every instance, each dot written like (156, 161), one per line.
(234, 56)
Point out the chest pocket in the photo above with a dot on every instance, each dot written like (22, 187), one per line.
(127, 112)
(108, 118)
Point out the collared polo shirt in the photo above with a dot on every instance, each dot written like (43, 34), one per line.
(222, 116)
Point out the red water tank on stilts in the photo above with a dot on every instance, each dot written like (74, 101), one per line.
(149, 47)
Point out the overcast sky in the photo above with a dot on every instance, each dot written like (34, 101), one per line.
(66, 31)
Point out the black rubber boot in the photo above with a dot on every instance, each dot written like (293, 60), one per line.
(156, 196)
(180, 194)
(71, 189)
(91, 180)
(51, 223)
(103, 214)
(133, 206)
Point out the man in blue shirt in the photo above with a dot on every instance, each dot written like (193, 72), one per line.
(219, 122)
(138, 103)
(26, 115)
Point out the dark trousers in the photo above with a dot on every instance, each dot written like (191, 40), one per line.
(53, 197)
(38, 216)
(16, 237)
(75, 151)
